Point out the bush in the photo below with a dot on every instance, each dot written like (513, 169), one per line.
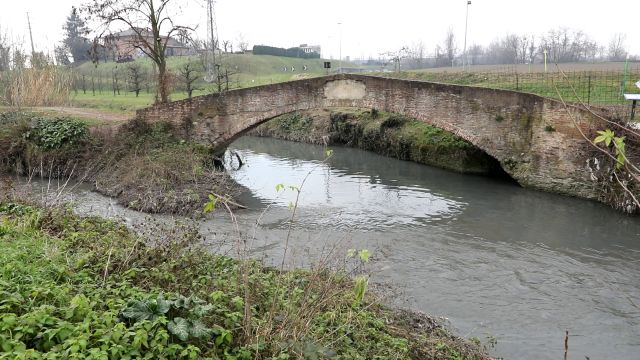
(53, 133)
(393, 121)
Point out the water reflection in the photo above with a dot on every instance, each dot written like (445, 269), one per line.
(337, 194)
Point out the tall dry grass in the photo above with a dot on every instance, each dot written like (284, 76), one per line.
(44, 86)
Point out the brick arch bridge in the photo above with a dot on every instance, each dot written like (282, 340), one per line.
(535, 139)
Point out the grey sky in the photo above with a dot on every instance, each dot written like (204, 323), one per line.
(368, 27)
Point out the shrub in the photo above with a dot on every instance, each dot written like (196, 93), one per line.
(53, 133)
(393, 121)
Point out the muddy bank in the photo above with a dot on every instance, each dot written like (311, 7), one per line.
(385, 134)
(146, 167)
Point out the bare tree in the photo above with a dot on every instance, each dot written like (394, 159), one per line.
(39, 59)
(522, 50)
(617, 50)
(397, 56)
(115, 81)
(243, 45)
(531, 51)
(5, 52)
(417, 54)
(148, 19)
(225, 45)
(440, 55)
(512, 47)
(135, 78)
(475, 52)
(189, 73)
(450, 46)
(19, 59)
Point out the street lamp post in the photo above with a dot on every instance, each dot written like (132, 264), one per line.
(466, 23)
(340, 54)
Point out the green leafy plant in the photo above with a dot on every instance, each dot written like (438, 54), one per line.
(359, 289)
(184, 315)
(210, 205)
(608, 137)
(150, 309)
(52, 133)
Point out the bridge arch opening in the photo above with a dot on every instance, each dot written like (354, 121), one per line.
(388, 134)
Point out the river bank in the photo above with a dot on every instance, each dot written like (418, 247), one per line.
(382, 133)
(100, 289)
(145, 167)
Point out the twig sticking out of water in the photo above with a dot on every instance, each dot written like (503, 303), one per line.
(566, 344)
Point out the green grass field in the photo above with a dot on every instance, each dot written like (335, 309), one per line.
(599, 84)
(93, 87)
(125, 103)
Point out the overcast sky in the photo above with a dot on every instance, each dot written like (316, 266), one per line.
(368, 28)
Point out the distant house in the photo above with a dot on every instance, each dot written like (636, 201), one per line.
(125, 44)
(308, 49)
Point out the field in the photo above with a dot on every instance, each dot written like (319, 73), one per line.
(536, 68)
(94, 84)
(599, 85)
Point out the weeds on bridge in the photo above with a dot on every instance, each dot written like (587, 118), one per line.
(614, 162)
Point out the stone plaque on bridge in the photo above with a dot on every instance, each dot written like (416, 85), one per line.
(345, 90)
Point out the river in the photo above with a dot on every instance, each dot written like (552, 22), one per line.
(495, 259)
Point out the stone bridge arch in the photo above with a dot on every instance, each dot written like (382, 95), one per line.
(535, 139)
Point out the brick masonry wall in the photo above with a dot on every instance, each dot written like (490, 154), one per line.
(510, 126)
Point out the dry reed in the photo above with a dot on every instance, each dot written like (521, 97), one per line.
(43, 86)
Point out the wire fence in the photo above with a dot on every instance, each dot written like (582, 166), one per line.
(599, 90)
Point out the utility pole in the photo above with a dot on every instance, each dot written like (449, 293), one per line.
(33, 49)
(340, 54)
(466, 23)
(212, 34)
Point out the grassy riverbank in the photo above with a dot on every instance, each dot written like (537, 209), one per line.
(144, 166)
(88, 287)
(383, 133)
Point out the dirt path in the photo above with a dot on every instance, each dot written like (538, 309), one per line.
(101, 116)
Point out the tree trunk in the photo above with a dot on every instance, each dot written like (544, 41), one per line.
(163, 83)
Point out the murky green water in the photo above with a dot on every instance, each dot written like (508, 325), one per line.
(497, 260)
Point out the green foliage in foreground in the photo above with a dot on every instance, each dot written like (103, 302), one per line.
(89, 288)
(51, 133)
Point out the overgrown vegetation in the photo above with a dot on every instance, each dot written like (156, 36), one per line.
(87, 287)
(612, 166)
(45, 85)
(52, 133)
(145, 166)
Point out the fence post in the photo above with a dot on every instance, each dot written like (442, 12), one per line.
(589, 91)
(517, 82)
